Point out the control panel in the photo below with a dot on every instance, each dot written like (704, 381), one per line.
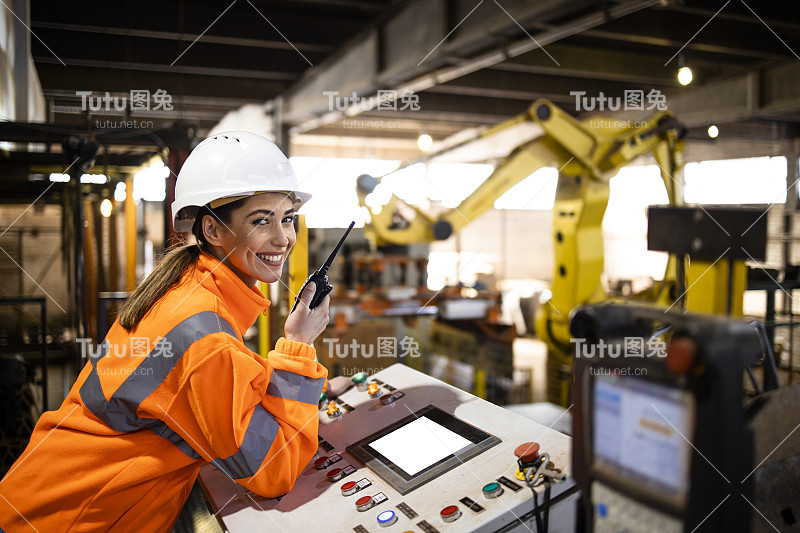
(401, 451)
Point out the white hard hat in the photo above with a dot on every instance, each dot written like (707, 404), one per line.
(231, 164)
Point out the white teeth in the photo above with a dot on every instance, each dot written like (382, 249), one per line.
(270, 258)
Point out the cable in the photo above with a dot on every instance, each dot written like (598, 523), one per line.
(540, 474)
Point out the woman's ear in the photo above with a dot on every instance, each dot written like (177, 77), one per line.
(211, 230)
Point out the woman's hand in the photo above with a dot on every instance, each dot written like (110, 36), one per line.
(306, 324)
(338, 385)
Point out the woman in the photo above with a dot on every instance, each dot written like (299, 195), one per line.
(173, 386)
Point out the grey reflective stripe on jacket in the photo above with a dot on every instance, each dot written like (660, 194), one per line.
(291, 386)
(119, 413)
(257, 441)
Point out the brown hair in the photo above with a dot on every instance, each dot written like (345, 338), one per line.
(171, 268)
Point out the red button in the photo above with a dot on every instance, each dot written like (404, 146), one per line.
(527, 452)
(349, 488)
(335, 474)
(321, 463)
(364, 503)
(451, 513)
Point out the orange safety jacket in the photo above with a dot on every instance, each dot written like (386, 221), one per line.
(152, 406)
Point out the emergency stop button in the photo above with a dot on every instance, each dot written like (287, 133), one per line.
(451, 513)
(528, 452)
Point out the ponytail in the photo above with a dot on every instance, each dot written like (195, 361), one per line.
(168, 272)
(171, 268)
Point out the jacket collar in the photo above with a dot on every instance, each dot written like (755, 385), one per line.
(244, 303)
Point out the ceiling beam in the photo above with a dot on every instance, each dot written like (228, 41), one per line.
(675, 44)
(769, 92)
(604, 64)
(389, 57)
(745, 18)
(178, 69)
(187, 37)
(528, 87)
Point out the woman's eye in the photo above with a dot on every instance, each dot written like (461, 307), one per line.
(289, 219)
(260, 221)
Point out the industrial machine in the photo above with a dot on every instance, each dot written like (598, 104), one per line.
(588, 154)
(661, 435)
(402, 451)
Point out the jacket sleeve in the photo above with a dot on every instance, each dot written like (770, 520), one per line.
(260, 417)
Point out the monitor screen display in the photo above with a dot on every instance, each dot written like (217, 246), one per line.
(640, 434)
(419, 445)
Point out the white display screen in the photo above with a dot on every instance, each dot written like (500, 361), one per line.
(640, 432)
(419, 445)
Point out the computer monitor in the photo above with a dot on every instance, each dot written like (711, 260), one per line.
(639, 436)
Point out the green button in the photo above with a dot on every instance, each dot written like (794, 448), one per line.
(491, 487)
(323, 397)
(361, 377)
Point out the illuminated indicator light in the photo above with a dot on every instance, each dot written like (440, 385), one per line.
(387, 518)
(360, 380)
(451, 513)
(373, 388)
(713, 131)
(333, 409)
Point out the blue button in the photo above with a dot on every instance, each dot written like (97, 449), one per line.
(602, 510)
(386, 518)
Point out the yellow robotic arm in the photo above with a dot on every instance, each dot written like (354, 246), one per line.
(587, 153)
(594, 149)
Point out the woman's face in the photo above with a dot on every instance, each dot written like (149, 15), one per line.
(258, 238)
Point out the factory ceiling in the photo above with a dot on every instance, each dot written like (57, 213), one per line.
(320, 66)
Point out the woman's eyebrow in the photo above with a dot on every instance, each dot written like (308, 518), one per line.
(261, 211)
(270, 213)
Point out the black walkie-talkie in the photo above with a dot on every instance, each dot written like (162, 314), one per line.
(320, 277)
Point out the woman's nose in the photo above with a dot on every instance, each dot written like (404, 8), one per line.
(279, 236)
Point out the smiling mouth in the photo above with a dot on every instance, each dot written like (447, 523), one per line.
(273, 260)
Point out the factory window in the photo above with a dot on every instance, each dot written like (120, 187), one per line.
(537, 191)
(755, 180)
(332, 184)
